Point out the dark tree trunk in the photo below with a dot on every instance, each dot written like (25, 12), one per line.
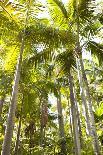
(1, 105)
(19, 128)
(18, 136)
(44, 120)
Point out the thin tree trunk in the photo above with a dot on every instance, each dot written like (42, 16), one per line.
(11, 115)
(78, 118)
(79, 53)
(18, 133)
(92, 121)
(74, 118)
(61, 125)
(83, 97)
(18, 136)
(1, 105)
(44, 119)
(79, 125)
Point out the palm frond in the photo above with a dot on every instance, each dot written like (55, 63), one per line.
(96, 49)
(48, 35)
(66, 60)
(62, 7)
(42, 57)
(85, 8)
(58, 13)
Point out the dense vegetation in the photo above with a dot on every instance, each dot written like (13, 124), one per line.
(51, 77)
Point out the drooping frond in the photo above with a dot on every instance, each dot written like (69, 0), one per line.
(85, 8)
(58, 13)
(49, 36)
(62, 7)
(97, 50)
(66, 60)
(42, 57)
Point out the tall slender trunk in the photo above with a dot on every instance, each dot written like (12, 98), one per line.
(44, 119)
(83, 97)
(79, 53)
(78, 118)
(18, 136)
(13, 102)
(74, 118)
(92, 121)
(1, 104)
(19, 128)
(79, 125)
(11, 115)
(61, 124)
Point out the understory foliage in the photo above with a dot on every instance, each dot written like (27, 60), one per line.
(51, 77)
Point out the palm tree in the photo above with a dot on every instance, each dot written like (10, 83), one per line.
(83, 97)
(11, 116)
(77, 13)
(67, 61)
(74, 118)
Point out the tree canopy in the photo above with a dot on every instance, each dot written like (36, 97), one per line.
(51, 77)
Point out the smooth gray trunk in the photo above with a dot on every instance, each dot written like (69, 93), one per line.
(61, 124)
(74, 118)
(83, 97)
(92, 121)
(78, 117)
(79, 125)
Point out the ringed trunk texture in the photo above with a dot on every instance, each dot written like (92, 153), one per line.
(61, 125)
(11, 115)
(74, 118)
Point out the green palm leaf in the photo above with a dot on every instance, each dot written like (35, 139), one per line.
(96, 49)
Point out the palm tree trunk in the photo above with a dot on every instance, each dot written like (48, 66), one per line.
(79, 53)
(44, 119)
(11, 115)
(79, 125)
(18, 136)
(19, 128)
(13, 102)
(92, 121)
(61, 125)
(78, 118)
(83, 97)
(1, 105)
(74, 118)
